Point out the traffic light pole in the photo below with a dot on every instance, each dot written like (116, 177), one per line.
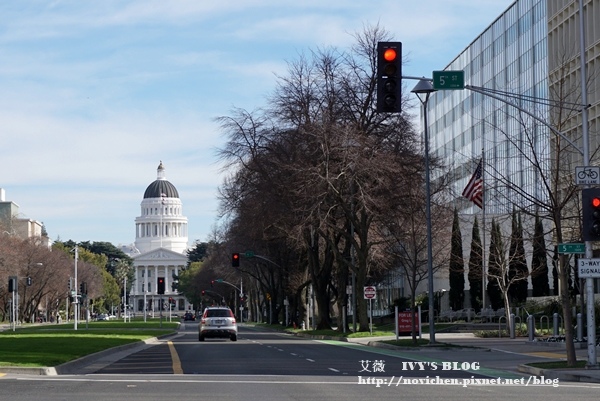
(589, 283)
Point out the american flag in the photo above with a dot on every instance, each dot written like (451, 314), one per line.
(474, 189)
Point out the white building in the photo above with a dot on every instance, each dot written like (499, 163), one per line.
(160, 247)
(12, 224)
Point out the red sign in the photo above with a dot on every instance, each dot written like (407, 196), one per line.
(405, 322)
(370, 292)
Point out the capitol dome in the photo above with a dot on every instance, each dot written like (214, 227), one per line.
(161, 223)
(161, 187)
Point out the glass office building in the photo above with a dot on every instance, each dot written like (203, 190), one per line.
(527, 62)
(509, 57)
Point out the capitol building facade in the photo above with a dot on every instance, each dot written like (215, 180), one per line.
(160, 251)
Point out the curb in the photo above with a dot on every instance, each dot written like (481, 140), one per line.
(319, 337)
(558, 374)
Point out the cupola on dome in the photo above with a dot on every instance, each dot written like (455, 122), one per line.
(161, 187)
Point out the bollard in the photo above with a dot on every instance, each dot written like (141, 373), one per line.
(512, 325)
(579, 327)
(530, 327)
(555, 324)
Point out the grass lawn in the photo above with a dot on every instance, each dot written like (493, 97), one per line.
(52, 345)
(378, 331)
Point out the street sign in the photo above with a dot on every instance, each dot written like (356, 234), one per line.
(586, 175)
(589, 268)
(249, 254)
(571, 248)
(370, 292)
(448, 80)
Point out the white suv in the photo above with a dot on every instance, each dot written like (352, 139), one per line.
(217, 321)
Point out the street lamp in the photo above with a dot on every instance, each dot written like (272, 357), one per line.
(423, 90)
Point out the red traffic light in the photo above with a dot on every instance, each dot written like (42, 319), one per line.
(390, 54)
(235, 259)
(389, 77)
(591, 214)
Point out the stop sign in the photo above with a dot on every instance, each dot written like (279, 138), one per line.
(370, 292)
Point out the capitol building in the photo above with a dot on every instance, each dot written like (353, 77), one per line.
(161, 244)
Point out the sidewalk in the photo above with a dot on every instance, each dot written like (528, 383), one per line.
(517, 352)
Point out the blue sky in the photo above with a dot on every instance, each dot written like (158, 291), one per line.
(94, 94)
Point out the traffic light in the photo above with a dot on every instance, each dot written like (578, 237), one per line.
(160, 286)
(212, 283)
(203, 293)
(83, 288)
(389, 77)
(235, 259)
(70, 283)
(12, 284)
(591, 214)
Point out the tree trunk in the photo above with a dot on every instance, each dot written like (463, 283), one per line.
(567, 315)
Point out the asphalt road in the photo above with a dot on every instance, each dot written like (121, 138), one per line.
(275, 366)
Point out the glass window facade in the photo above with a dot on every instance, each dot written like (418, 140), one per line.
(510, 58)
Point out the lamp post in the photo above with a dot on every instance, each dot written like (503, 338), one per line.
(76, 298)
(423, 90)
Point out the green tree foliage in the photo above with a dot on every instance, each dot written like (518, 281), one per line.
(111, 295)
(517, 267)
(539, 262)
(457, 267)
(495, 267)
(111, 252)
(475, 273)
(198, 253)
(191, 283)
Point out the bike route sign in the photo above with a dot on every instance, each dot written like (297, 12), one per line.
(585, 175)
(589, 268)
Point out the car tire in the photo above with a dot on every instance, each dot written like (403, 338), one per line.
(200, 338)
(233, 337)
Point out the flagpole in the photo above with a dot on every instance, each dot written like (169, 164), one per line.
(483, 262)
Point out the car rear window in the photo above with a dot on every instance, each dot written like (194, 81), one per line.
(218, 313)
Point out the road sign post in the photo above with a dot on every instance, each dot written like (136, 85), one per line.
(370, 293)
